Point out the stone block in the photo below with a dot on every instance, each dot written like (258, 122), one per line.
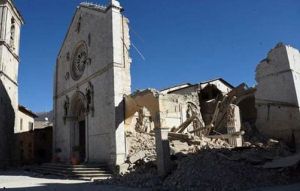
(137, 156)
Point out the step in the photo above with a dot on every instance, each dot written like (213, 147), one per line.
(75, 166)
(84, 171)
(88, 175)
(88, 178)
(73, 171)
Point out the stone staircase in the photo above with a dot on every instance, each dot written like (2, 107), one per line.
(84, 171)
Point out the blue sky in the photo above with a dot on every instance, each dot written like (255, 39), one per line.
(182, 41)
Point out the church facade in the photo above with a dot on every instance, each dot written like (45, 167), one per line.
(10, 27)
(92, 76)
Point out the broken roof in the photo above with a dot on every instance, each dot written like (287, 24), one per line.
(218, 79)
(177, 87)
(188, 85)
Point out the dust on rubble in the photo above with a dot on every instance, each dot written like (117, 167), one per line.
(210, 165)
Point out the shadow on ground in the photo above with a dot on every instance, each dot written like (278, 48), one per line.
(26, 181)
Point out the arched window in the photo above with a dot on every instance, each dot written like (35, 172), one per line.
(12, 33)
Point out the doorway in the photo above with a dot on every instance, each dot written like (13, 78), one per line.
(78, 128)
(82, 140)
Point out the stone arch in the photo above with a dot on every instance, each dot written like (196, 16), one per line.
(78, 126)
(78, 104)
(248, 111)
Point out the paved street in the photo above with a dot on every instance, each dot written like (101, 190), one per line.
(26, 181)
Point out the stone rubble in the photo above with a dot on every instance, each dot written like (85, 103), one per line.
(212, 165)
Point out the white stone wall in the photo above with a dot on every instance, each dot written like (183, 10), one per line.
(277, 95)
(9, 64)
(108, 72)
(173, 109)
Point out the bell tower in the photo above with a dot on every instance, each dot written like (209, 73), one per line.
(10, 27)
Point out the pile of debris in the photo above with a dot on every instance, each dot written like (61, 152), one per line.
(208, 168)
(141, 147)
(227, 170)
(220, 152)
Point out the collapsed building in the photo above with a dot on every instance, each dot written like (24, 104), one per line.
(183, 108)
(201, 131)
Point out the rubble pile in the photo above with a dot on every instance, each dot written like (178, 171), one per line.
(227, 170)
(209, 168)
(141, 148)
(214, 148)
(142, 143)
(202, 142)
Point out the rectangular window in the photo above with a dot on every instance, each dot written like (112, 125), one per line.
(30, 126)
(21, 124)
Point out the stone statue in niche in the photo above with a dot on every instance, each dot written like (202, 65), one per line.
(78, 25)
(66, 108)
(89, 94)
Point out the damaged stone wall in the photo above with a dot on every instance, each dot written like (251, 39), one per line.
(173, 109)
(278, 93)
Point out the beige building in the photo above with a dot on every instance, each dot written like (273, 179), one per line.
(92, 76)
(10, 27)
(26, 120)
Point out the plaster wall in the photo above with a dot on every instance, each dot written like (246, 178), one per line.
(26, 119)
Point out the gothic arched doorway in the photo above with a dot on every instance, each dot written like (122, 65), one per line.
(78, 127)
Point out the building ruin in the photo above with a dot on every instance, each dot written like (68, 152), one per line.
(278, 94)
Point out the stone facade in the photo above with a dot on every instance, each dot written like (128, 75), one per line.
(10, 27)
(92, 76)
(278, 93)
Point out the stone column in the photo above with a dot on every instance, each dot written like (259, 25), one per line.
(234, 125)
(162, 151)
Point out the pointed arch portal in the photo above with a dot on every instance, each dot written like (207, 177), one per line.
(78, 126)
